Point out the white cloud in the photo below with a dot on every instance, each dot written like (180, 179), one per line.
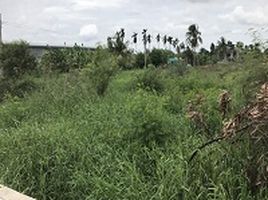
(88, 32)
(255, 16)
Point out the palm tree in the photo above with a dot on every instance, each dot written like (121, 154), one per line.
(193, 38)
(110, 43)
(158, 38)
(116, 44)
(122, 34)
(165, 40)
(170, 40)
(182, 46)
(212, 48)
(175, 43)
(135, 38)
(222, 48)
(145, 40)
(149, 40)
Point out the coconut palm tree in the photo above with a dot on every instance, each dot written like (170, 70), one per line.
(182, 46)
(175, 43)
(149, 40)
(158, 38)
(165, 40)
(222, 48)
(122, 34)
(212, 49)
(116, 44)
(145, 40)
(170, 40)
(135, 39)
(193, 38)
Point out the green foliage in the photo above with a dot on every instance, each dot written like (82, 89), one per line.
(16, 88)
(117, 44)
(55, 60)
(16, 60)
(102, 68)
(139, 60)
(160, 57)
(65, 59)
(252, 79)
(178, 69)
(126, 62)
(151, 123)
(65, 142)
(150, 80)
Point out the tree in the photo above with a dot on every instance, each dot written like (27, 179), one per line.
(222, 48)
(145, 40)
(193, 38)
(182, 46)
(203, 57)
(158, 38)
(189, 55)
(16, 60)
(122, 34)
(159, 57)
(165, 40)
(149, 40)
(116, 44)
(175, 43)
(170, 40)
(212, 49)
(135, 38)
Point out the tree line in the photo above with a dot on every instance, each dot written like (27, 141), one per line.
(222, 50)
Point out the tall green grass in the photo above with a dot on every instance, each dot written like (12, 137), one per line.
(65, 142)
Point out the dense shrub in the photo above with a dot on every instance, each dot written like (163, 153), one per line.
(16, 88)
(252, 79)
(150, 80)
(16, 60)
(139, 60)
(77, 57)
(64, 60)
(103, 67)
(55, 60)
(160, 57)
(178, 69)
(126, 62)
(150, 122)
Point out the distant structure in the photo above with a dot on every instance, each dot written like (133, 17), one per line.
(39, 50)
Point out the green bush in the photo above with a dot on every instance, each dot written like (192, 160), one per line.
(103, 67)
(16, 60)
(150, 122)
(160, 57)
(65, 59)
(55, 60)
(16, 88)
(150, 80)
(139, 60)
(178, 69)
(126, 62)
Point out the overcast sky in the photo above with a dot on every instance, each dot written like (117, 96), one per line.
(91, 21)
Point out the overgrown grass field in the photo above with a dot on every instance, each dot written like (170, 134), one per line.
(63, 141)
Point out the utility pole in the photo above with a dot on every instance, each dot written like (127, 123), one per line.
(1, 28)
